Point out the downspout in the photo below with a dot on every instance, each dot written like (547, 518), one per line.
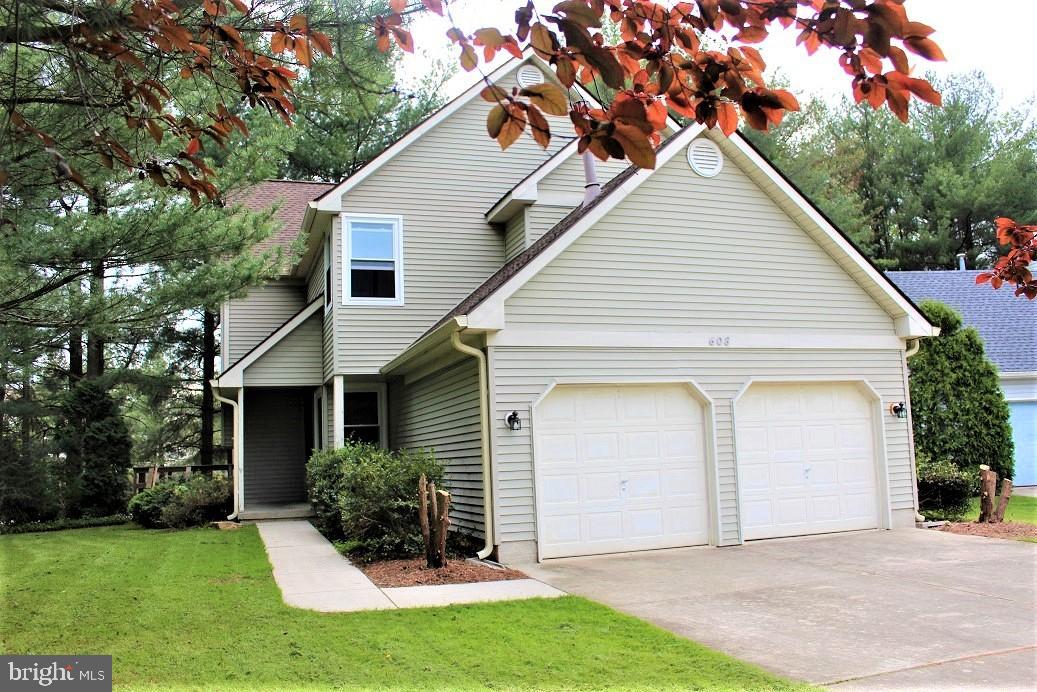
(591, 188)
(484, 434)
(911, 350)
(233, 450)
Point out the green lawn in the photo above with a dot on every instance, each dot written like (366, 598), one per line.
(199, 610)
(1020, 508)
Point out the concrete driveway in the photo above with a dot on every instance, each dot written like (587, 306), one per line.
(908, 609)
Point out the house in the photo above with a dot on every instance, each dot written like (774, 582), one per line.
(1008, 326)
(696, 356)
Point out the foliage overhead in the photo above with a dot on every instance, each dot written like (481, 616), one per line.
(1014, 267)
(957, 407)
(661, 63)
(95, 83)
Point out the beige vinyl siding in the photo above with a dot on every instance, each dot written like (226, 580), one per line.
(540, 218)
(568, 178)
(275, 445)
(294, 361)
(258, 315)
(684, 253)
(440, 412)
(521, 375)
(515, 235)
(442, 185)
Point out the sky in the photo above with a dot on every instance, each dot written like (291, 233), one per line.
(972, 35)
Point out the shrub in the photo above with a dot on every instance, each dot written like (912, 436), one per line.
(944, 489)
(178, 503)
(371, 496)
(96, 443)
(957, 406)
(63, 524)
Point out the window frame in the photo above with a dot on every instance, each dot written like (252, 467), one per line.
(382, 392)
(347, 261)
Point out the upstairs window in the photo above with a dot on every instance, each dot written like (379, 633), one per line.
(372, 257)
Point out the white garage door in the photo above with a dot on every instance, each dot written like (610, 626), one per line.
(620, 468)
(806, 460)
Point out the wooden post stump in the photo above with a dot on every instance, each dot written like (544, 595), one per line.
(434, 519)
(1002, 504)
(987, 491)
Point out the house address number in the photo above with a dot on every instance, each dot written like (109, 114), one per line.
(719, 341)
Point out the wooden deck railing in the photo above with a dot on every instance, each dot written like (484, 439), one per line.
(147, 476)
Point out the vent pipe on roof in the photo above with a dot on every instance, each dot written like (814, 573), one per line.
(961, 261)
(592, 187)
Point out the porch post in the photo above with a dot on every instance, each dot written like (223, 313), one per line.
(239, 462)
(338, 414)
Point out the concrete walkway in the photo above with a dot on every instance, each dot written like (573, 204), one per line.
(312, 574)
(873, 610)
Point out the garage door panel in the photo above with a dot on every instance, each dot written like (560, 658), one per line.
(806, 460)
(636, 465)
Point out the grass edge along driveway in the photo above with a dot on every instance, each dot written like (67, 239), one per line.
(199, 609)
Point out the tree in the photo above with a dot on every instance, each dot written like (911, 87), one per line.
(958, 409)
(96, 444)
(1014, 267)
(662, 63)
(915, 196)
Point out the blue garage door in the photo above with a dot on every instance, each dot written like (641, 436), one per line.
(1024, 434)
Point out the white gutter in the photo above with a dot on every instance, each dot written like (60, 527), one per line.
(484, 433)
(235, 446)
(912, 350)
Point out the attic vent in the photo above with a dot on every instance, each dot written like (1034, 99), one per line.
(705, 158)
(528, 75)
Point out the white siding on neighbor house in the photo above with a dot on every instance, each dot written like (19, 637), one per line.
(256, 316)
(293, 361)
(684, 253)
(440, 412)
(442, 185)
(521, 374)
(515, 235)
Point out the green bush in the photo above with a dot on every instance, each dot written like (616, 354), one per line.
(97, 444)
(62, 524)
(957, 407)
(371, 496)
(178, 503)
(944, 490)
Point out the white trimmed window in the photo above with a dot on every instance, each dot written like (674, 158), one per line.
(365, 413)
(372, 255)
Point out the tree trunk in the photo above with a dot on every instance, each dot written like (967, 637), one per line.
(426, 535)
(75, 355)
(988, 489)
(94, 341)
(442, 524)
(208, 373)
(27, 417)
(1002, 504)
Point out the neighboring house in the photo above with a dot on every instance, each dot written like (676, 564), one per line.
(695, 357)
(1008, 326)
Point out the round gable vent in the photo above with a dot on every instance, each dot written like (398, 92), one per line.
(705, 158)
(528, 75)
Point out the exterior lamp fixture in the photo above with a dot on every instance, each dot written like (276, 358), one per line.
(513, 421)
(899, 410)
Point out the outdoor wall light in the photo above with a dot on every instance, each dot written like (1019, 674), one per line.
(513, 421)
(899, 410)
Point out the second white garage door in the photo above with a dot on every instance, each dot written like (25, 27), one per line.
(806, 460)
(620, 468)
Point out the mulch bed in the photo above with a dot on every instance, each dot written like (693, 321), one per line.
(388, 573)
(1007, 529)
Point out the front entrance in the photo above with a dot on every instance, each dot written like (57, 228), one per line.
(277, 441)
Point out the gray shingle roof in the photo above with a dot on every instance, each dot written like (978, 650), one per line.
(1007, 324)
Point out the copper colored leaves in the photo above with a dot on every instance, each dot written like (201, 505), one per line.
(659, 56)
(1014, 267)
(507, 120)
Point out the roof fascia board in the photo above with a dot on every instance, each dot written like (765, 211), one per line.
(915, 325)
(234, 376)
(425, 344)
(490, 313)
